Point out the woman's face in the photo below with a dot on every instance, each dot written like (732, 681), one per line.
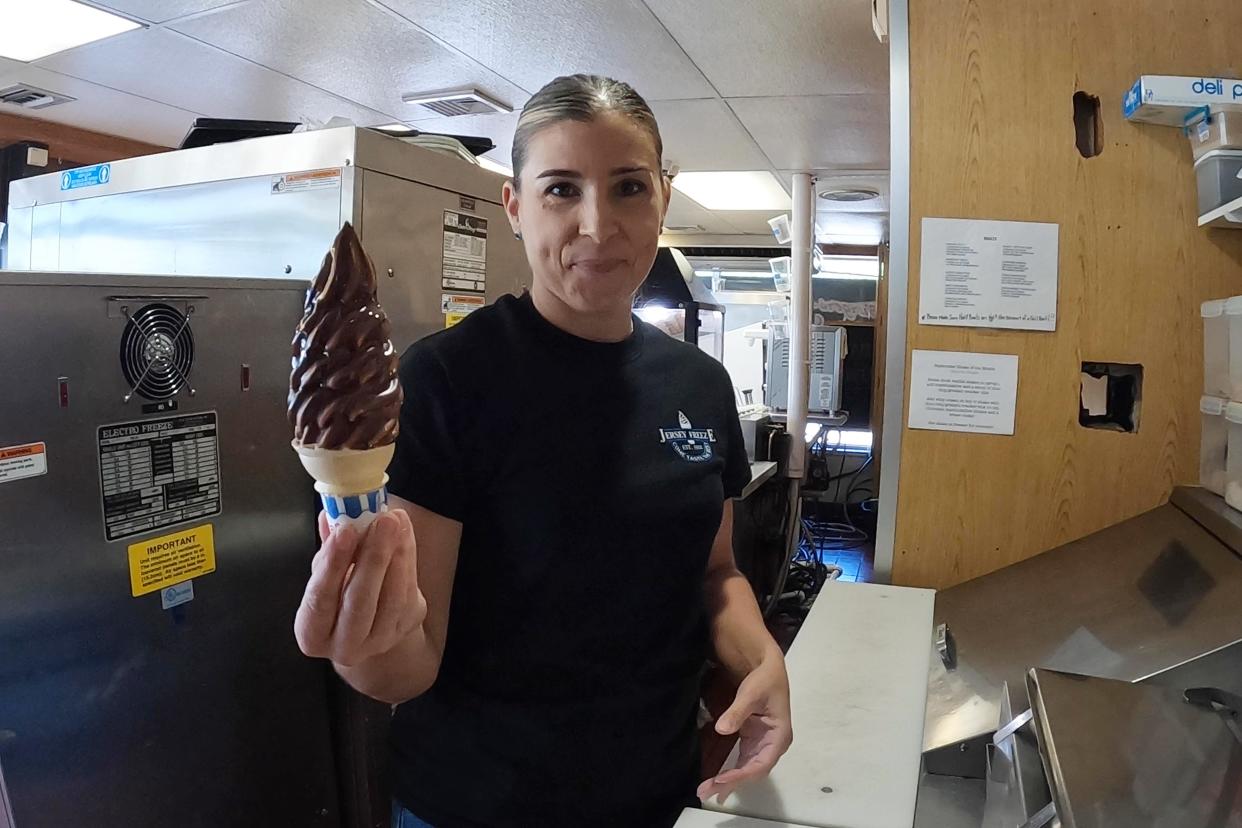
(590, 207)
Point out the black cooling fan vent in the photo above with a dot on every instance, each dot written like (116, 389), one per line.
(157, 351)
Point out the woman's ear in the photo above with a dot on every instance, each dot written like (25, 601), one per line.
(666, 187)
(509, 200)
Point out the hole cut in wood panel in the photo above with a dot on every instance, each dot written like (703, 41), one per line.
(1112, 396)
(1088, 125)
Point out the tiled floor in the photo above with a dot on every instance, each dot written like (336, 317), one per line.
(856, 564)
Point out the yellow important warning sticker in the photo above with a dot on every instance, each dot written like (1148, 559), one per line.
(451, 319)
(160, 562)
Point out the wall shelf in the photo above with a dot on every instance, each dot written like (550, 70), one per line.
(1227, 215)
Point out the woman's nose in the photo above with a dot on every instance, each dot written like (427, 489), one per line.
(596, 219)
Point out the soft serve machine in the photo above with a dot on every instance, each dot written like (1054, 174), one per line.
(144, 438)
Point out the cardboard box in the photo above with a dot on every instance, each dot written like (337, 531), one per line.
(1168, 99)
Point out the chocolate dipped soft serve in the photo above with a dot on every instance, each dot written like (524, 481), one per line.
(344, 394)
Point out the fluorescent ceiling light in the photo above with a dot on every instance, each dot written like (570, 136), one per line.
(495, 166)
(392, 127)
(749, 190)
(32, 29)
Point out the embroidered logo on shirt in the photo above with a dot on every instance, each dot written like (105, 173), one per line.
(694, 445)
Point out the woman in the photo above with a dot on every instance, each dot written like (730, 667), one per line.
(567, 472)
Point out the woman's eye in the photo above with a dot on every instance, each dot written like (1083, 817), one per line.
(562, 189)
(631, 187)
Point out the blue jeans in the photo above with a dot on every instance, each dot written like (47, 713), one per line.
(401, 818)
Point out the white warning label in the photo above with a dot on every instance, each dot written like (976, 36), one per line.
(465, 252)
(309, 180)
(19, 462)
(156, 473)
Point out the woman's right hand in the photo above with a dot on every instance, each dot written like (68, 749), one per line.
(362, 598)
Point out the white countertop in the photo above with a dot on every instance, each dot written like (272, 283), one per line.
(858, 687)
(694, 818)
(760, 472)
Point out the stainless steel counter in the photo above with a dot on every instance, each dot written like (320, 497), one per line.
(1133, 601)
(1153, 602)
(1151, 606)
(949, 802)
(1120, 754)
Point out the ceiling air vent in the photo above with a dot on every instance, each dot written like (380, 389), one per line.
(31, 97)
(457, 102)
(850, 194)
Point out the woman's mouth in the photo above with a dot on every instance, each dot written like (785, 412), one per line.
(599, 266)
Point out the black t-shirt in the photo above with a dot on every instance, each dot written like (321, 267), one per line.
(589, 479)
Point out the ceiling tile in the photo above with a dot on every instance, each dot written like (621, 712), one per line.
(827, 178)
(698, 135)
(160, 11)
(531, 43)
(822, 132)
(794, 47)
(173, 69)
(376, 56)
(753, 221)
(685, 211)
(99, 108)
(877, 180)
(705, 135)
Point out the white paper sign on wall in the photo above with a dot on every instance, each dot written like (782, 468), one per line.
(989, 274)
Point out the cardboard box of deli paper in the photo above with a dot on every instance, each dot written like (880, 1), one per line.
(1168, 99)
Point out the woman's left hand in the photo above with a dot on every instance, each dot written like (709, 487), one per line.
(760, 716)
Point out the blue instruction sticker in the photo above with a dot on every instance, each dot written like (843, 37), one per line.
(177, 594)
(1133, 98)
(86, 177)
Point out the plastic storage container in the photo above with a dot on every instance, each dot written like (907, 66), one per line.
(1214, 443)
(1233, 455)
(1216, 381)
(1233, 318)
(1217, 174)
(1222, 129)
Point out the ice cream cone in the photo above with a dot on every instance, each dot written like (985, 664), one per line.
(344, 394)
(350, 482)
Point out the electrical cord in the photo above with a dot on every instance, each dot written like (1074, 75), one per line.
(804, 572)
(795, 536)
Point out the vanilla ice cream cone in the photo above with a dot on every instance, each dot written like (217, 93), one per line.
(350, 482)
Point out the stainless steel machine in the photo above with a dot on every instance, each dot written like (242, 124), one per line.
(270, 207)
(156, 538)
(1154, 601)
(264, 209)
(827, 356)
